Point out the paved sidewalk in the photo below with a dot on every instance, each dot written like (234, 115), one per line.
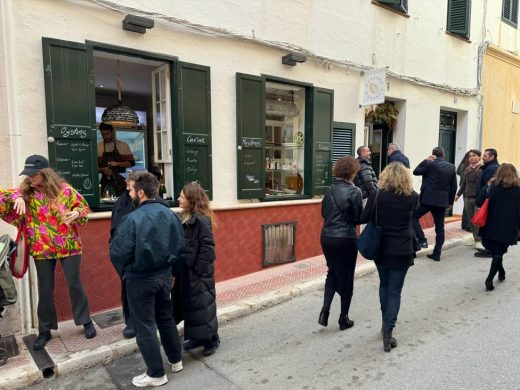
(70, 351)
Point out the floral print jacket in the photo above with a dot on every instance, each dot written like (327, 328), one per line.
(47, 237)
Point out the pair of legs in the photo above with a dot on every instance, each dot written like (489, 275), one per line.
(497, 253)
(438, 214)
(391, 281)
(124, 298)
(470, 210)
(151, 309)
(341, 255)
(46, 309)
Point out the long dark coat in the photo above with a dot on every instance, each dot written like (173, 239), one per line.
(503, 221)
(195, 282)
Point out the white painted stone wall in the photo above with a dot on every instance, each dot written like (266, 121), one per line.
(498, 32)
(355, 30)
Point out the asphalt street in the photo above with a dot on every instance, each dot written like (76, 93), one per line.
(452, 334)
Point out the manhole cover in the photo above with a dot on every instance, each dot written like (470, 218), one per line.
(109, 318)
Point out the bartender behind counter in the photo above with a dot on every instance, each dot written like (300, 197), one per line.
(114, 157)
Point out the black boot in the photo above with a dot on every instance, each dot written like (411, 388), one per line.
(323, 319)
(41, 340)
(387, 341)
(393, 341)
(344, 322)
(489, 285)
(501, 275)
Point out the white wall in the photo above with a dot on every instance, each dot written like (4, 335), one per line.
(499, 33)
(353, 30)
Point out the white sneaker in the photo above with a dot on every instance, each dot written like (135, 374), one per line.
(479, 246)
(144, 380)
(176, 367)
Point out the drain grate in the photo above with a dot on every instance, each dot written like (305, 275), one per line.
(109, 318)
(10, 345)
(40, 357)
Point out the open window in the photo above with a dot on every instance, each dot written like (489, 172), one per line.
(284, 138)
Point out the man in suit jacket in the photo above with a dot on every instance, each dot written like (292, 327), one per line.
(438, 189)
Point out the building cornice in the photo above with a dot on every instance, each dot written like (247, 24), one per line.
(501, 54)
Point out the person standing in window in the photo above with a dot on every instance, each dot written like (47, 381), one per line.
(468, 188)
(114, 157)
(366, 178)
(341, 208)
(197, 277)
(396, 203)
(503, 219)
(52, 209)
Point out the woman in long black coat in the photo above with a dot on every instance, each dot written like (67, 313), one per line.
(503, 220)
(198, 274)
(341, 208)
(396, 202)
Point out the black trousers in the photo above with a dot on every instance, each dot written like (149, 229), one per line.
(341, 255)
(438, 214)
(46, 309)
(124, 298)
(151, 309)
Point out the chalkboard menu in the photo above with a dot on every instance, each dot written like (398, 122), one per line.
(322, 168)
(73, 162)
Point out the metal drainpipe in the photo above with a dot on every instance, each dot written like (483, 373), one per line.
(15, 142)
(480, 65)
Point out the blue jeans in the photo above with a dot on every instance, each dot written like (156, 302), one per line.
(391, 282)
(151, 309)
(438, 214)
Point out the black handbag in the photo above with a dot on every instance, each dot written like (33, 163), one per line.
(370, 238)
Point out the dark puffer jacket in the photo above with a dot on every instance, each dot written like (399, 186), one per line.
(366, 178)
(197, 281)
(398, 156)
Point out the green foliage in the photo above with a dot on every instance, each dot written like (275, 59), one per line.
(382, 113)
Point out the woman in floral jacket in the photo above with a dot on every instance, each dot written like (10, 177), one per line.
(50, 210)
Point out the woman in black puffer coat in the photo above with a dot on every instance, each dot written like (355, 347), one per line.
(197, 277)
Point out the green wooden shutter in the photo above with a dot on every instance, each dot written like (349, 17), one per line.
(510, 12)
(398, 5)
(70, 101)
(250, 136)
(459, 17)
(322, 114)
(192, 138)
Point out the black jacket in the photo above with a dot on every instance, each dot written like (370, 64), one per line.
(196, 282)
(398, 156)
(341, 208)
(503, 220)
(148, 240)
(366, 178)
(488, 171)
(439, 182)
(394, 216)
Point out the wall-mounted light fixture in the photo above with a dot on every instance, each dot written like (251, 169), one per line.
(137, 24)
(293, 58)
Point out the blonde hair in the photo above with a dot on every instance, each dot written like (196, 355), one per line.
(506, 176)
(396, 178)
(198, 203)
(50, 187)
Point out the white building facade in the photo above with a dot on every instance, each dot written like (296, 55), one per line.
(218, 106)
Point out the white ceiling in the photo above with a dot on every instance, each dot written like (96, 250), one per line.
(134, 72)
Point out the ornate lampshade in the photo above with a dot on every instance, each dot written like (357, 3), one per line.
(119, 115)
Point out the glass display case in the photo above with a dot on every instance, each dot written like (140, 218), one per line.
(136, 140)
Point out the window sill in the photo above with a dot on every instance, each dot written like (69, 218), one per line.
(404, 14)
(510, 23)
(282, 198)
(458, 37)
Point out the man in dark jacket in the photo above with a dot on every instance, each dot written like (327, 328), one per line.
(366, 179)
(395, 155)
(146, 244)
(438, 189)
(489, 168)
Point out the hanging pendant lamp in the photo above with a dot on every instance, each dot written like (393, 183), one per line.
(120, 115)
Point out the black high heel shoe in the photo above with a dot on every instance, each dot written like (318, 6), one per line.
(344, 322)
(501, 277)
(323, 319)
(489, 285)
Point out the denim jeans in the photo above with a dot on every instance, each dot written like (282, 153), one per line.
(438, 214)
(391, 282)
(151, 309)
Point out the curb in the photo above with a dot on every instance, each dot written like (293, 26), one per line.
(22, 377)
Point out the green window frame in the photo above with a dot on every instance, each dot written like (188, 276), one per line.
(251, 139)
(459, 18)
(510, 12)
(397, 5)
